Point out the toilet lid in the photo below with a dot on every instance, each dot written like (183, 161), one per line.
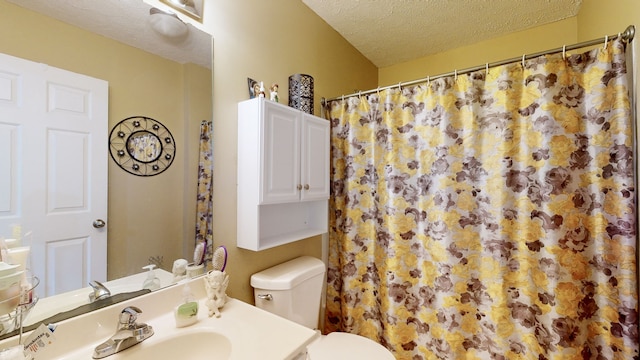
(339, 345)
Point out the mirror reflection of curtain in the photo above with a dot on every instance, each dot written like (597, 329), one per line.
(489, 216)
(144, 146)
(204, 202)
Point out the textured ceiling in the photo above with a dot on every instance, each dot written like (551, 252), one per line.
(389, 32)
(126, 21)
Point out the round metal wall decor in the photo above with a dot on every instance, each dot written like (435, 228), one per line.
(142, 146)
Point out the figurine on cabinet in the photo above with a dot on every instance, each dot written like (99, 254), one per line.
(273, 93)
(254, 88)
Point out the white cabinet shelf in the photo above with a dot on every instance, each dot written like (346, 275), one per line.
(283, 175)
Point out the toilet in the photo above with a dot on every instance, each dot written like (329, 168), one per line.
(293, 290)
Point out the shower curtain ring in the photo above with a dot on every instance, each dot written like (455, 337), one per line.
(455, 75)
(428, 80)
(400, 86)
(523, 58)
(486, 68)
(606, 41)
(564, 52)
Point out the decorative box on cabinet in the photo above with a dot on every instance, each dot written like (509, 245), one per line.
(283, 174)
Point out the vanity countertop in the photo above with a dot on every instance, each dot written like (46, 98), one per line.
(252, 333)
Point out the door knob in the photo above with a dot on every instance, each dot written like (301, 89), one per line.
(306, 186)
(99, 223)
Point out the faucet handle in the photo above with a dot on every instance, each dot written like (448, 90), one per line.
(99, 291)
(128, 316)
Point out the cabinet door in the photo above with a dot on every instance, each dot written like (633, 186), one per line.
(315, 158)
(280, 155)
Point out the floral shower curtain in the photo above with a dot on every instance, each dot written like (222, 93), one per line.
(204, 201)
(489, 215)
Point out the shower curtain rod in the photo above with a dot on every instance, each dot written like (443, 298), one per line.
(627, 36)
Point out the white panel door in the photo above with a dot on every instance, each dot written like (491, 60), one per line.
(315, 158)
(280, 166)
(53, 170)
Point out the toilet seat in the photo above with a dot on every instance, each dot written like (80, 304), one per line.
(345, 346)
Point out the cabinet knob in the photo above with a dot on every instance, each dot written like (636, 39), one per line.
(299, 186)
(306, 186)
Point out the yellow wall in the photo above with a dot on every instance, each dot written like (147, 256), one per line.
(146, 215)
(513, 45)
(598, 18)
(595, 19)
(267, 41)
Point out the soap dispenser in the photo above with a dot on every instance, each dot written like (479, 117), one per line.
(187, 312)
(152, 282)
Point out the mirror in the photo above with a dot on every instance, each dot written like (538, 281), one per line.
(146, 223)
(144, 146)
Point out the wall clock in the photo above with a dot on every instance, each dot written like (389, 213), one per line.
(142, 146)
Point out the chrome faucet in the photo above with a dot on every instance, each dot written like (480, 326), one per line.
(99, 291)
(129, 333)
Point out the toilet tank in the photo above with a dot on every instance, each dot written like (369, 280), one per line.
(292, 290)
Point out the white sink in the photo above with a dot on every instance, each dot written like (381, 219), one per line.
(242, 332)
(187, 345)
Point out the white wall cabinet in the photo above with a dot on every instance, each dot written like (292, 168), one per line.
(283, 174)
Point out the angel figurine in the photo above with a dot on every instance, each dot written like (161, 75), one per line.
(273, 93)
(216, 283)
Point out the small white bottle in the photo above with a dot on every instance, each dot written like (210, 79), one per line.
(152, 282)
